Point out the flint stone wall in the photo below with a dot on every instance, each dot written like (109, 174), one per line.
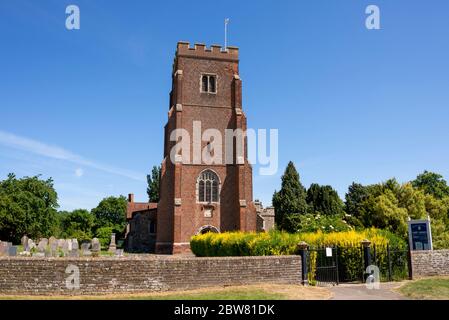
(428, 263)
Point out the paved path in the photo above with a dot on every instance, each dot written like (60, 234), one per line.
(360, 292)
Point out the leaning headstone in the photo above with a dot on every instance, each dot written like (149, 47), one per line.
(85, 249)
(24, 242)
(96, 247)
(112, 245)
(12, 251)
(119, 253)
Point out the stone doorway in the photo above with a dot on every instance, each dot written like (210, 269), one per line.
(208, 228)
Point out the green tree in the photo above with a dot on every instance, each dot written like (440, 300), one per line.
(104, 235)
(325, 200)
(77, 224)
(432, 183)
(354, 202)
(290, 201)
(153, 184)
(383, 212)
(27, 206)
(413, 200)
(111, 212)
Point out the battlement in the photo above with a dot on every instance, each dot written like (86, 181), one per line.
(199, 50)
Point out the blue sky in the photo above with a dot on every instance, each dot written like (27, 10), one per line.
(87, 107)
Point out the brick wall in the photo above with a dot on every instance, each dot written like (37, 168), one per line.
(142, 273)
(430, 263)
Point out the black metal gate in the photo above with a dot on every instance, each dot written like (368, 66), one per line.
(394, 263)
(323, 266)
(385, 263)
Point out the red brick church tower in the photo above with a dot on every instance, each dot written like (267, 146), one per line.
(197, 197)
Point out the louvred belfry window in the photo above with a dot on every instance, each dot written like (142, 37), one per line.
(208, 83)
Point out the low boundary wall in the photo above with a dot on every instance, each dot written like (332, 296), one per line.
(430, 263)
(140, 273)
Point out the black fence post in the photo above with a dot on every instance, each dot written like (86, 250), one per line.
(366, 257)
(390, 276)
(302, 248)
(336, 264)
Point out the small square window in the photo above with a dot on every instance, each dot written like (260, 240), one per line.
(208, 83)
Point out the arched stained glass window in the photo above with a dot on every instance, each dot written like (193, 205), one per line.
(208, 186)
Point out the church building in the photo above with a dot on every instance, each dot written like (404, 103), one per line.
(199, 196)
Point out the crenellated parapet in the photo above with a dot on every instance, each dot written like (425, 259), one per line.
(199, 50)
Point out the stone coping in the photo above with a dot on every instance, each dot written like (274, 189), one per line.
(149, 257)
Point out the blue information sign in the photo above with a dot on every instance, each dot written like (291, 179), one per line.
(419, 235)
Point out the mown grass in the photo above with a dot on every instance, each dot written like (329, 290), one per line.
(427, 289)
(250, 292)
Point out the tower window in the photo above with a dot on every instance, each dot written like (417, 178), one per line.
(208, 186)
(208, 83)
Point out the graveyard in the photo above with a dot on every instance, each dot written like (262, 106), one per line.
(59, 248)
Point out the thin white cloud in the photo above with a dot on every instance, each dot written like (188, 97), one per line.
(79, 172)
(55, 152)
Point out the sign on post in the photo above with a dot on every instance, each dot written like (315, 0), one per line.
(420, 235)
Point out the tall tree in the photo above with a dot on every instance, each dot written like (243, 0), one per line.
(290, 201)
(27, 206)
(324, 199)
(432, 183)
(111, 212)
(354, 202)
(153, 184)
(77, 224)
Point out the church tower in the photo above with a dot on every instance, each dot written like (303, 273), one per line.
(198, 195)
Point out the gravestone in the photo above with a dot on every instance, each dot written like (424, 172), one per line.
(119, 253)
(112, 245)
(42, 245)
(31, 244)
(69, 244)
(61, 243)
(75, 248)
(75, 245)
(65, 246)
(4, 248)
(54, 248)
(96, 247)
(52, 240)
(74, 253)
(24, 242)
(85, 249)
(12, 251)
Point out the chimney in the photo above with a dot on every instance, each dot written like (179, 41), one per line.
(131, 197)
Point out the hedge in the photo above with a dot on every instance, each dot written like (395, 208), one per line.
(350, 256)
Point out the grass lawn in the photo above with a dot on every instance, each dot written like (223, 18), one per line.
(427, 289)
(250, 292)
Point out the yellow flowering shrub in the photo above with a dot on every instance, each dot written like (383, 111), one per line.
(348, 243)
